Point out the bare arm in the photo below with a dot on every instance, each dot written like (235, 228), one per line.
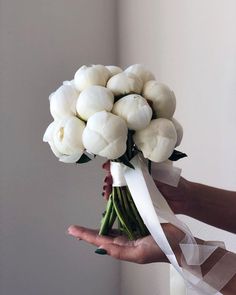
(145, 250)
(213, 206)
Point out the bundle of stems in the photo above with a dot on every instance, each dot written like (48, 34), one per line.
(120, 205)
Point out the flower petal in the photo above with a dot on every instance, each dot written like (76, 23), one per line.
(70, 159)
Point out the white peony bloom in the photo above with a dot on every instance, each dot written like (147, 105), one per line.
(92, 75)
(125, 83)
(94, 99)
(103, 70)
(179, 130)
(164, 101)
(114, 70)
(63, 102)
(105, 135)
(65, 139)
(141, 71)
(70, 83)
(157, 141)
(135, 110)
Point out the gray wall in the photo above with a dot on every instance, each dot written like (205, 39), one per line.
(42, 43)
(191, 46)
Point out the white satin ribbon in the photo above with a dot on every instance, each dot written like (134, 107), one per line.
(152, 205)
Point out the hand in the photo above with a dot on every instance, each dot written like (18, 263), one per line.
(178, 198)
(142, 251)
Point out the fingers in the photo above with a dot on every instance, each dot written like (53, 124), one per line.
(107, 188)
(88, 235)
(118, 248)
(121, 252)
(106, 166)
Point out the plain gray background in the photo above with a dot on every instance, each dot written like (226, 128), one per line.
(43, 43)
(189, 45)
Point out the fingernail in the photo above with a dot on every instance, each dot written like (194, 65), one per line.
(100, 251)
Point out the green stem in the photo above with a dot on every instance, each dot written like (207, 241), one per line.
(128, 208)
(121, 216)
(143, 229)
(112, 217)
(105, 220)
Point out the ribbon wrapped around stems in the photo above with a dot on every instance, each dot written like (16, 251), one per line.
(151, 205)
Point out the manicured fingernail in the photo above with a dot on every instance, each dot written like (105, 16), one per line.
(100, 251)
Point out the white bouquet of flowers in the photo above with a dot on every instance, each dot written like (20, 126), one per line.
(117, 115)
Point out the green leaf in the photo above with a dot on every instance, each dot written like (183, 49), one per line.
(176, 155)
(83, 159)
(130, 144)
(125, 160)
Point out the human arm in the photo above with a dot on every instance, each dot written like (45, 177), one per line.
(145, 250)
(205, 203)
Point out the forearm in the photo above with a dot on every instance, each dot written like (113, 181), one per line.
(216, 257)
(213, 206)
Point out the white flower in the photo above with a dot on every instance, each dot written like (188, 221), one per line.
(63, 102)
(179, 130)
(157, 141)
(125, 83)
(135, 110)
(94, 99)
(140, 71)
(65, 139)
(70, 83)
(105, 135)
(114, 70)
(164, 101)
(103, 70)
(92, 75)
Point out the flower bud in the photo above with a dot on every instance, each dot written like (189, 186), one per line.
(179, 130)
(124, 83)
(65, 138)
(94, 99)
(135, 110)
(63, 102)
(105, 135)
(70, 83)
(114, 70)
(164, 101)
(93, 75)
(157, 141)
(103, 70)
(140, 71)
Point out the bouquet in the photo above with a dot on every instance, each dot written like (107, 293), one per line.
(116, 114)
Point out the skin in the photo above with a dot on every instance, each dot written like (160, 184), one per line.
(189, 198)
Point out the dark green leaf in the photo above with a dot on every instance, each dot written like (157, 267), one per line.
(125, 160)
(176, 155)
(130, 144)
(83, 159)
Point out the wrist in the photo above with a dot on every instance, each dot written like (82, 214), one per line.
(186, 191)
